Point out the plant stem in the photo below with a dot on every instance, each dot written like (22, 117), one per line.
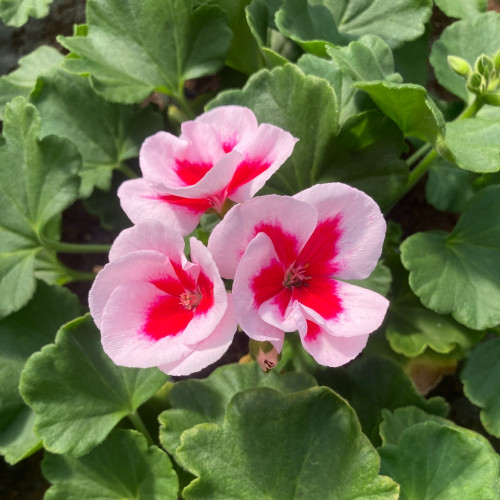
(184, 105)
(139, 425)
(127, 171)
(421, 168)
(418, 153)
(75, 275)
(62, 247)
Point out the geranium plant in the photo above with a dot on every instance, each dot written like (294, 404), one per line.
(294, 291)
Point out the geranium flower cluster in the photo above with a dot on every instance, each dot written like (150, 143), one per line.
(288, 257)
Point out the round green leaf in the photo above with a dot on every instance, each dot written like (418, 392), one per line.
(434, 461)
(462, 9)
(409, 106)
(411, 328)
(448, 187)
(459, 272)
(22, 80)
(306, 106)
(121, 468)
(475, 142)
(105, 133)
(78, 393)
(302, 445)
(340, 21)
(467, 39)
(135, 48)
(39, 180)
(374, 383)
(21, 334)
(16, 12)
(481, 379)
(198, 401)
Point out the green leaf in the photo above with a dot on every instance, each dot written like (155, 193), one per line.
(448, 187)
(467, 39)
(350, 100)
(411, 328)
(122, 468)
(459, 272)
(379, 281)
(366, 154)
(39, 180)
(410, 107)
(462, 9)
(199, 401)
(433, 461)
(260, 19)
(78, 393)
(481, 379)
(16, 12)
(475, 142)
(302, 445)
(244, 53)
(396, 422)
(135, 48)
(340, 21)
(411, 60)
(106, 134)
(22, 334)
(22, 80)
(306, 106)
(367, 59)
(374, 383)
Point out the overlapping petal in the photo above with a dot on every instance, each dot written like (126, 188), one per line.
(288, 257)
(154, 308)
(222, 154)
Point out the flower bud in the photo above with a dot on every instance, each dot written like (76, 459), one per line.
(460, 66)
(492, 99)
(474, 83)
(265, 354)
(496, 60)
(484, 65)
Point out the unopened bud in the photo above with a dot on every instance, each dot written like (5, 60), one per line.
(460, 66)
(492, 99)
(496, 60)
(474, 83)
(265, 354)
(484, 65)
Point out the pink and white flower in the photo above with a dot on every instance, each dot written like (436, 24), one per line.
(289, 256)
(154, 308)
(222, 154)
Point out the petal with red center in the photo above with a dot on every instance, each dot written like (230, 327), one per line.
(147, 235)
(347, 311)
(258, 280)
(142, 326)
(288, 223)
(265, 151)
(141, 266)
(232, 124)
(319, 255)
(213, 185)
(158, 156)
(205, 146)
(211, 292)
(209, 350)
(140, 202)
(326, 349)
(360, 224)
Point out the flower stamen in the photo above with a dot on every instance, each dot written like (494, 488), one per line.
(189, 300)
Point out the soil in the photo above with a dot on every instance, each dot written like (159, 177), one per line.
(24, 481)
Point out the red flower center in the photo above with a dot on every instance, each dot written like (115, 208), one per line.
(189, 300)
